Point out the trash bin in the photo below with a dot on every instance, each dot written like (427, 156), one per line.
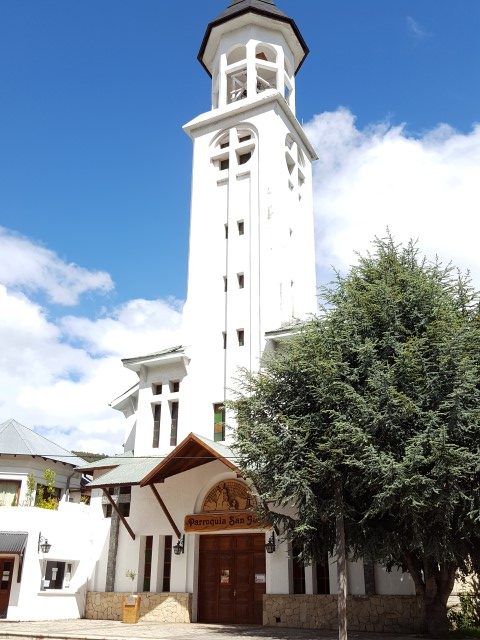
(131, 609)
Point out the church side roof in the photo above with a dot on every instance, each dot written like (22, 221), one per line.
(18, 440)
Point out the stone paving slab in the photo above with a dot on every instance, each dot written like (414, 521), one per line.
(112, 630)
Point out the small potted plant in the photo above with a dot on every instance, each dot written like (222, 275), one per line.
(131, 603)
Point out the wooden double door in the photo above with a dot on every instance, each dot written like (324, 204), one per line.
(231, 580)
(6, 574)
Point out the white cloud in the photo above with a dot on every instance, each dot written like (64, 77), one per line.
(137, 327)
(60, 375)
(425, 187)
(415, 29)
(28, 266)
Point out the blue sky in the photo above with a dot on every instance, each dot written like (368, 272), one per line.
(95, 172)
(93, 161)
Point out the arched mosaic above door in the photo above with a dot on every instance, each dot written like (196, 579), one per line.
(230, 495)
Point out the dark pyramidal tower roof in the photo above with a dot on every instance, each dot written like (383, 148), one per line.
(265, 8)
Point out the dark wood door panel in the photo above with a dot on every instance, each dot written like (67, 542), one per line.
(6, 575)
(229, 592)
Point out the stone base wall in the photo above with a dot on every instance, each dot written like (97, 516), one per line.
(382, 614)
(154, 607)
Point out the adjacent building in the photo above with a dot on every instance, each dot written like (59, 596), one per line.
(47, 556)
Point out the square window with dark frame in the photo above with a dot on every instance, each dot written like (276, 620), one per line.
(241, 337)
(174, 386)
(124, 509)
(57, 575)
(244, 157)
(157, 389)
(9, 493)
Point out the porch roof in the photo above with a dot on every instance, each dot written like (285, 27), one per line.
(192, 452)
(13, 542)
(127, 473)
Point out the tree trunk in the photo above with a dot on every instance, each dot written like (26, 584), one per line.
(433, 583)
(438, 587)
(436, 617)
(341, 567)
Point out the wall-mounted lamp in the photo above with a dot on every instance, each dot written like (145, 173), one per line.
(270, 545)
(180, 546)
(43, 545)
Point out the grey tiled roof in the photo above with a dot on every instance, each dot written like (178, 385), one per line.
(219, 447)
(13, 541)
(16, 439)
(113, 461)
(129, 472)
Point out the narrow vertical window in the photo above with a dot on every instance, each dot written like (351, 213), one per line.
(225, 284)
(167, 563)
(226, 232)
(147, 572)
(241, 337)
(174, 417)
(174, 386)
(241, 280)
(157, 412)
(219, 422)
(323, 578)
(241, 227)
(298, 572)
(224, 336)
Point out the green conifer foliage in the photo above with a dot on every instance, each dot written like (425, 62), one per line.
(380, 394)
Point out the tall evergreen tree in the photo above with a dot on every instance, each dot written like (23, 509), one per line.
(380, 395)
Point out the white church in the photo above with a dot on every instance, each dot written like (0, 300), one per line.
(182, 517)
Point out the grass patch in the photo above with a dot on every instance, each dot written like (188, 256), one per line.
(466, 632)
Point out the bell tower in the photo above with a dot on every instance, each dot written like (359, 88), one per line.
(251, 258)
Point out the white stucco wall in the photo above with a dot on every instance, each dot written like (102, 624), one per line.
(77, 535)
(18, 467)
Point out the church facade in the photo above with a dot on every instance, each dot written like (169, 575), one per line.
(183, 521)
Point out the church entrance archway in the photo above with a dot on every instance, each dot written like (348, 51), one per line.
(231, 580)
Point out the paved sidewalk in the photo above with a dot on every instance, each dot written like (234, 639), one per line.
(108, 630)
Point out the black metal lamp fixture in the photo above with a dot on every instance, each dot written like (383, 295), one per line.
(270, 545)
(43, 545)
(180, 546)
